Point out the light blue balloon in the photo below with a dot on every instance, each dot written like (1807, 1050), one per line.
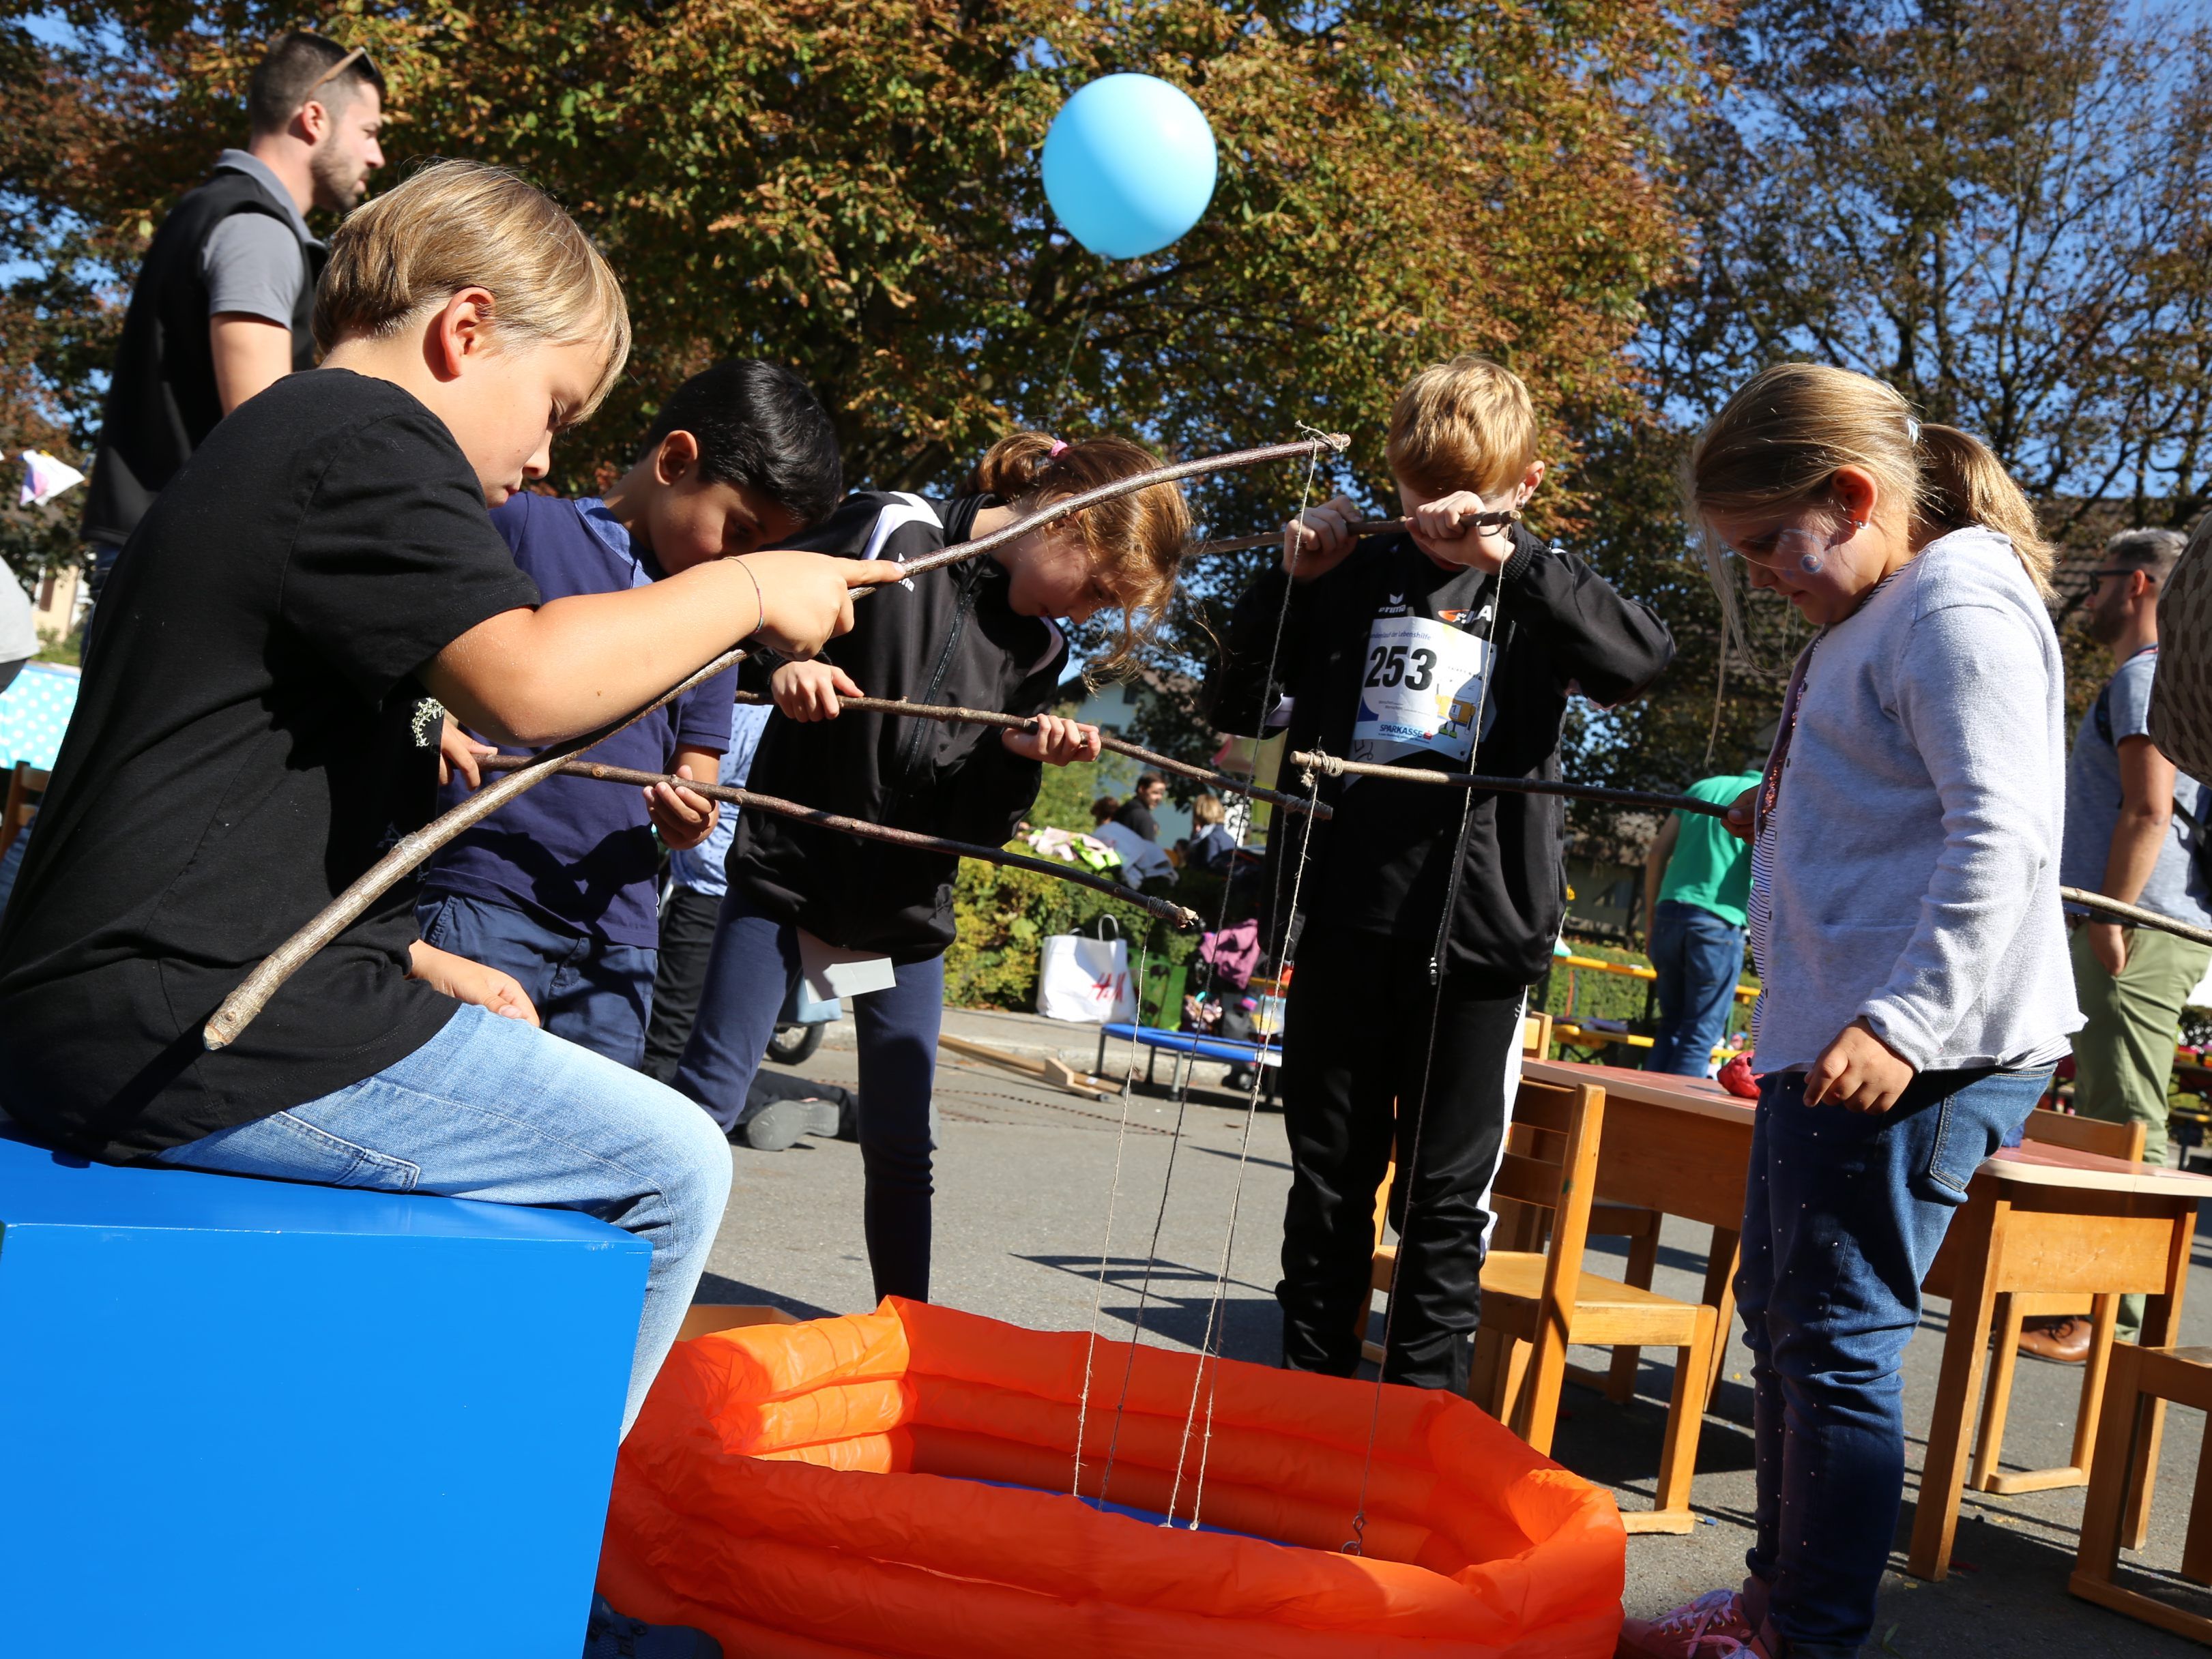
(1129, 165)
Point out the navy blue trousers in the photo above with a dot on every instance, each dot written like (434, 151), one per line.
(754, 966)
(597, 994)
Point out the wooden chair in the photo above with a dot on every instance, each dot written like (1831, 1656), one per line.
(1535, 1305)
(25, 785)
(2117, 1513)
(2082, 1134)
(1535, 1042)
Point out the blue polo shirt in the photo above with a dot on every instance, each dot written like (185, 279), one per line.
(573, 853)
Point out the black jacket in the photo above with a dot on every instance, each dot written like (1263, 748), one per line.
(161, 401)
(1382, 864)
(947, 637)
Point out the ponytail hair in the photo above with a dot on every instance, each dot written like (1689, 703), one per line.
(1777, 444)
(1135, 541)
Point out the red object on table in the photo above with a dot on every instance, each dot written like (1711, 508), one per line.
(1736, 1077)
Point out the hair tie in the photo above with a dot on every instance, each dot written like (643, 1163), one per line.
(1057, 445)
(1911, 430)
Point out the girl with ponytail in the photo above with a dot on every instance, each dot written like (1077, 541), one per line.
(1906, 923)
(872, 922)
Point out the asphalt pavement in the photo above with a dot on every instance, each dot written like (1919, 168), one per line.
(1026, 1179)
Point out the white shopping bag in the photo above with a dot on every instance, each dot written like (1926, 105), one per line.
(1085, 980)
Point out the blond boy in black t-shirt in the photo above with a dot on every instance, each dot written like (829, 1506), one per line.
(261, 720)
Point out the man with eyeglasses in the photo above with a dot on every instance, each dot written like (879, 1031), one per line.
(2135, 832)
(222, 305)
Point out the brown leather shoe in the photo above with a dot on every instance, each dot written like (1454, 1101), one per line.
(2064, 1340)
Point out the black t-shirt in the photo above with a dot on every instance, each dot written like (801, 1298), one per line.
(1135, 815)
(248, 739)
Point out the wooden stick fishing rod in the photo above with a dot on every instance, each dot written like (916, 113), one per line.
(242, 1006)
(1027, 723)
(1187, 921)
(1329, 765)
(1331, 442)
(1363, 531)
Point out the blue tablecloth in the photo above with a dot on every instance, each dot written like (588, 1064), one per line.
(34, 712)
(1183, 1042)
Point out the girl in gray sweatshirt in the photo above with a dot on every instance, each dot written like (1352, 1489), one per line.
(1906, 923)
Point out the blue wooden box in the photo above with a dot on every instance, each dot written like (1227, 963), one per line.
(245, 1418)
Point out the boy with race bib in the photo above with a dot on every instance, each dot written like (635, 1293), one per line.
(1418, 931)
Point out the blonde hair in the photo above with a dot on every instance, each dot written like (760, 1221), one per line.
(1777, 446)
(1467, 424)
(1135, 541)
(1208, 808)
(462, 224)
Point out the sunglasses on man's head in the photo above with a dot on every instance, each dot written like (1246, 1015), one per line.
(358, 55)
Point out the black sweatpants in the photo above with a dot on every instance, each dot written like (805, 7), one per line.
(687, 940)
(1355, 1039)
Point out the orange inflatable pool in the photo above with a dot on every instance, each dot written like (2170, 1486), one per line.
(819, 1491)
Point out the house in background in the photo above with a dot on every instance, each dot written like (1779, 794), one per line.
(1114, 707)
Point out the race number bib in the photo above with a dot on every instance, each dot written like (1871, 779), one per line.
(1419, 690)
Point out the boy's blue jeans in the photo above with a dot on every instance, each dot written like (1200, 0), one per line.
(1842, 1216)
(1698, 957)
(494, 1109)
(592, 991)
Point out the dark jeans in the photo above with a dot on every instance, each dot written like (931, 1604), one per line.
(1356, 1036)
(754, 966)
(1842, 1218)
(687, 940)
(1698, 957)
(594, 993)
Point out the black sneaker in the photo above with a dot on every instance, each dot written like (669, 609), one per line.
(776, 1127)
(611, 1635)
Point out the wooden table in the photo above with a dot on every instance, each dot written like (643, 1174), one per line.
(2037, 1217)
(2047, 1219)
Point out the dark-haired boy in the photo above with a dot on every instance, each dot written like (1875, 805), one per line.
(558, 887)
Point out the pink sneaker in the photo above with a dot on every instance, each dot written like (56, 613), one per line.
(1710, 1628)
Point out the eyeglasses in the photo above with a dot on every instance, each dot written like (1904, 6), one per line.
(1793, 544)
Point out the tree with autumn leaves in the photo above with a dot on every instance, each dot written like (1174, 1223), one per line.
(1996, 204)
(851, 187)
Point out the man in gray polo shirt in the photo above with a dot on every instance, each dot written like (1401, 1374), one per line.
(222, 305)
(2132, 833)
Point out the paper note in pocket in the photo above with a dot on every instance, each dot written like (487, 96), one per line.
(830, 970)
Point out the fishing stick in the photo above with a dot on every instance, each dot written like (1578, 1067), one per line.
(1332, 442)
(242, 1006)
(1329, 765)
(1187, 920)
(1028, 723)
(1363, 530)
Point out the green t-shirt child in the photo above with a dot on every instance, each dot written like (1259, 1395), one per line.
(1710, 868)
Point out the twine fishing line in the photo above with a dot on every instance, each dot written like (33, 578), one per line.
(1268, 698)
(1438, 965)
(1216, 1316)
(1112, 1198)
(1219, 1319)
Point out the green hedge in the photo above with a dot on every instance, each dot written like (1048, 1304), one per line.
(1005, 915)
